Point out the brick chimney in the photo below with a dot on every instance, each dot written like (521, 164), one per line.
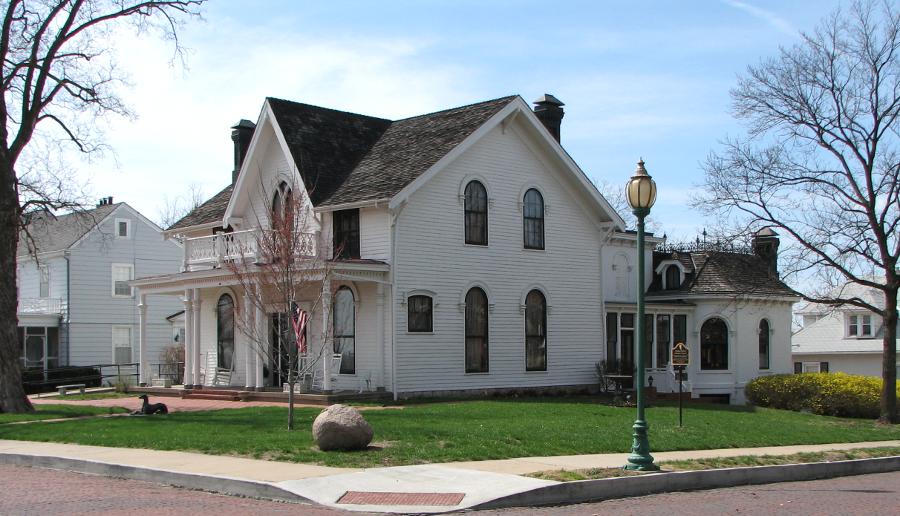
(241, 134)
(765, 245)
(550, 112)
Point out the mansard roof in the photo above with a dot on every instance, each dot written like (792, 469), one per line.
(720, 272)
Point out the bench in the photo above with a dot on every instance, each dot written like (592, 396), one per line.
(63, 389)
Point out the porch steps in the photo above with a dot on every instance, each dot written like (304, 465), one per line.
(211, 394)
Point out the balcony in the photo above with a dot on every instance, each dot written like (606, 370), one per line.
(215, 250)
(42, 306)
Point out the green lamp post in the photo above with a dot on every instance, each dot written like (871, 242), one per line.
(641, 194)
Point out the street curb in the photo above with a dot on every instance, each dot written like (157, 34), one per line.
(211, 483)
(624, 487)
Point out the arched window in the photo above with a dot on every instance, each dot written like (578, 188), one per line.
(476, 221)
(673, 277)
(282, 201)
(533, 219)
(476, 331)
(764, 344)
(225, 332)
(535, 331)
(714, 344)
(345, 329)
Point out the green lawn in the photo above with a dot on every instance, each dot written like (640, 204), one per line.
(58, 412)
(97, 396)
(455, 431)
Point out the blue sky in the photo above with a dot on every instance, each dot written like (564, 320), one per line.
(639, 79)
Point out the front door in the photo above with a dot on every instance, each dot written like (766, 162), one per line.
(283, 345)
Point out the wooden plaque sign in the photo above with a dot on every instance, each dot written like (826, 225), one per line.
(680, 355)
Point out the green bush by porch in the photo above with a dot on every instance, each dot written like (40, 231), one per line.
(831, 394)
(458, 431)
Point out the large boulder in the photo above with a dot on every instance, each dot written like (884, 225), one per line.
(340, 427)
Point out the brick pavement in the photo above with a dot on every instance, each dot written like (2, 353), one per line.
(47, 492)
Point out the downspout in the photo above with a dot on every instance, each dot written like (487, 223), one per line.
(394, 219)
(66, 255)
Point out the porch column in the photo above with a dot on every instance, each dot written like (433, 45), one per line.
(196, 360)
(379, 314)
(248, 340)
(260, 321)
(188, 339)
(327, 349)
(143, 367)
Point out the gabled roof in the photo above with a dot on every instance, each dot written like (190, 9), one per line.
(720, 272)
(210, 211)
(848, 290)
(826, 336)
(51, 233)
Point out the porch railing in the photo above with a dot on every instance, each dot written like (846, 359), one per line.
(42, 306)
(216, 250)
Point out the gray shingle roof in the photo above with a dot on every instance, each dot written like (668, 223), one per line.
(346, 157)
(717, 272)
(58, 232)
(827, 336)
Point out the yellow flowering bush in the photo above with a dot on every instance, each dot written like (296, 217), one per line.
(829, 394)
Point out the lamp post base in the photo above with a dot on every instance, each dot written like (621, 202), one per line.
(640, 458)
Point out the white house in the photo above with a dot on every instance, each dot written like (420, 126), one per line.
(76, 306)
(474, 255)
(848, 339)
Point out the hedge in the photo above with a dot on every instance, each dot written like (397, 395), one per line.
(828, 394)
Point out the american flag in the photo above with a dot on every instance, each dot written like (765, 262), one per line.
(299, 318)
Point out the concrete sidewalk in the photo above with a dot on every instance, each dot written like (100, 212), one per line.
(420, 488)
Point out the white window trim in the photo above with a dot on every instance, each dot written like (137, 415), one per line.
(661, 272)
(41, 269)
(812, 365)
(860, 333)
(112, 333)
(405, 304)
(127, 230)
(113, 279)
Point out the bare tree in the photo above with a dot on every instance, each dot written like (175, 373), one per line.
(175, 208)
(289, 270)
(820, 164)
(58, 76)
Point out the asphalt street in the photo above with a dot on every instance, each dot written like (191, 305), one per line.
(50, 492)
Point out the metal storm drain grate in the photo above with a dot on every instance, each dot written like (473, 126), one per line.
(374, 498)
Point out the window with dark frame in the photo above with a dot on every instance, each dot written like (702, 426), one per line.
(764, 344)
(612, 336)
(714, 345)
(648, 340)
(345, 329)
(626, 338)
(663, 326)
(673, 277)
(476, 331)
(533, 219)
(475, 208)
(346, 234)
(420, 314)
(535, 331)
(225, 332)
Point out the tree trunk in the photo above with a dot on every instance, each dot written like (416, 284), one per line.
(889, 361)
(12, 393)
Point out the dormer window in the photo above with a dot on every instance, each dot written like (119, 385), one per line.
(673, 277)
(859, 326)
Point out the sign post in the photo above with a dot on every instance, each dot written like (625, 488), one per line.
(681, 358)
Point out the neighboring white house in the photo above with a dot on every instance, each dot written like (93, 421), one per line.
(76, 306)
(846, 338)
(475, 256)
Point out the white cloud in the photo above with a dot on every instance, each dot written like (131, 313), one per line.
(776, 22)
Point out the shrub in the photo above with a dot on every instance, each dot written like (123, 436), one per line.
(829, 394)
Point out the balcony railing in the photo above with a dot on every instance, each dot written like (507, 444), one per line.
(42, 306)
(216, 250)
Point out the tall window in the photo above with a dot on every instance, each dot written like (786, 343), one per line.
(533, 218)
(612, 336)
(345, 329)
(346, 233)
(45, 281)
(123, 228)
(420, 315)
(476, 205)
(714, 344)
(673, 277)
(627, 338)
(225, 332)
(764, 344)
(648, 340)
(663, 323)
(535, 331)
(282, 205)
(476, 331)
(121, 275)
(121, 344)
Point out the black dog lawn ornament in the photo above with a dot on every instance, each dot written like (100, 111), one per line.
(149, 409)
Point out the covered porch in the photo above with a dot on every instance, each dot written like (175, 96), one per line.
(238, 340)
